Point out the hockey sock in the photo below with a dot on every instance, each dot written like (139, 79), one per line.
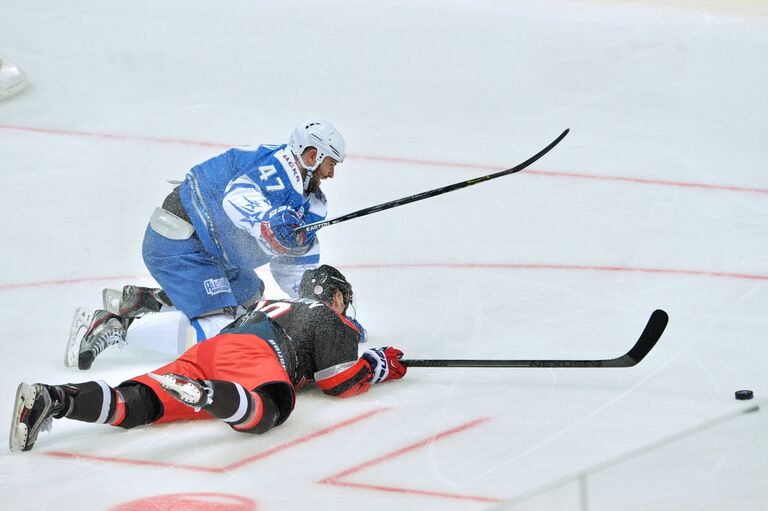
(208, 326)
(130, 404)
(95, 401)
(172, 332)
(64, 394)
(244, 410)
(162, 332)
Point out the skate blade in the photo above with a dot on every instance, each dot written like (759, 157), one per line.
(112, 299)
(186, 392)
(166, 381)
(25, 398)
(80, 323)
(158, 378)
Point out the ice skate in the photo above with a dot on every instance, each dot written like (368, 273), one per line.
(33, 411)
(12, 79)
(111, 300)
(134, 301)
(191, 392)
(90, 334)
(80, 323)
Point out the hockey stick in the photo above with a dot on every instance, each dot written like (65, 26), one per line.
(651, 334)
(431, 193)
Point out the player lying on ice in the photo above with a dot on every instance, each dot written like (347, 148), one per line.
(141, 317)
(245, 376)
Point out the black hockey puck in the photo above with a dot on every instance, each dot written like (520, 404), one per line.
(744, 394)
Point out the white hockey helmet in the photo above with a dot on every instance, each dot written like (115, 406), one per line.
(322, 136)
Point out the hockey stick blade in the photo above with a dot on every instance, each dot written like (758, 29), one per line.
(431, 193)
(648, 339)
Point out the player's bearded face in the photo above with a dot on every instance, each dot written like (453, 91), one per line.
(314, 183)
(324, 171)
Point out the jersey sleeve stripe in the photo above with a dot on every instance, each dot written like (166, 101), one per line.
(287, 260)
(348, 323)
(256, 412)
(242, 406)
(120, 410)
(345, 380)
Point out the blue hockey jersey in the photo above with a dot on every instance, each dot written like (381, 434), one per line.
(228, 196)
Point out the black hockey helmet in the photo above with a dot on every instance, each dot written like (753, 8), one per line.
(322, 283)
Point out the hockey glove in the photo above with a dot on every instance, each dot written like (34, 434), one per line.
(385, 363)
(363, 332)
(278, 232)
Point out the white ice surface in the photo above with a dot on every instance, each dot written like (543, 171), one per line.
(658, 198)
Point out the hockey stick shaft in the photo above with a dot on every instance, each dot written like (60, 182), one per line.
(648, 339)
(431, 193)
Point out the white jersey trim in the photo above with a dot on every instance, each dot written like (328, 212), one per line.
(287, 161)
(332, 371)
(106, 401)
(242, 408)
(318, 205)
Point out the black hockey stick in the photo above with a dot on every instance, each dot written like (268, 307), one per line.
(431, 193)
(651, 334)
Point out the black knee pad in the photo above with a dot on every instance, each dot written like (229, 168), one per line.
(269, 415)
(142, 405)
(282, 396)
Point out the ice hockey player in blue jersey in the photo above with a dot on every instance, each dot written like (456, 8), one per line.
(231, 214)
(237, 212)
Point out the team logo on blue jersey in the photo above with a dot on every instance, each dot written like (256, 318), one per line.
(251, 210)
(216, 286)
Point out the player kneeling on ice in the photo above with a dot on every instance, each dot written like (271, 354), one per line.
(245, 376)
(231, 214)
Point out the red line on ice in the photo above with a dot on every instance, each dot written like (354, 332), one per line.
(304, 439)
(336, 479)
(457, 266)
(232, 466)
(646, 181)
(388, 159)
(407, 491)
(112, 136)
(128, 461)
(571, 267)
(65, 282)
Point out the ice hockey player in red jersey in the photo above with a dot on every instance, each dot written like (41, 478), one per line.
(246, 376)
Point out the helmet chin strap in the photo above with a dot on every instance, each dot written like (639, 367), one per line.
(308, 178)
